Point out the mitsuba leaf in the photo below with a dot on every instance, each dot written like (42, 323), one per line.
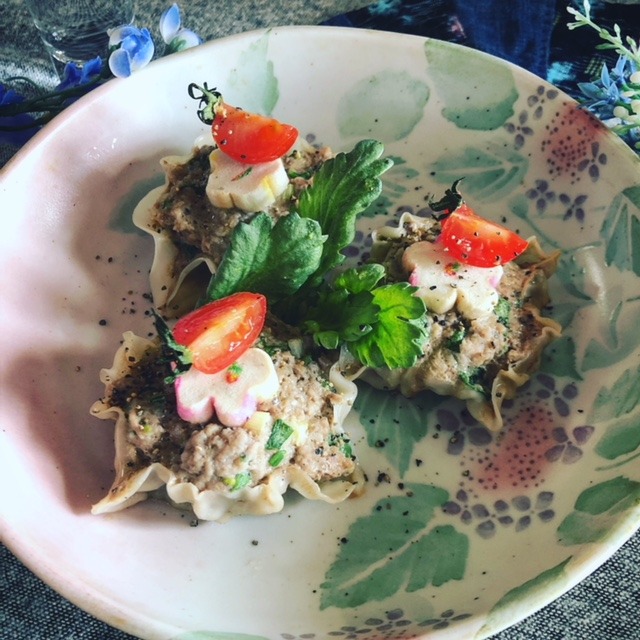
(364, 278)
(176, 354)
(381, 326)
(272, 259)
(343, 187)
(339, 316)
(397, 339)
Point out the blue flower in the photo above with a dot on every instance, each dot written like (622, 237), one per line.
(73, 76)
(615, 99)
(176, 37)
(22, 126)
(133, 49)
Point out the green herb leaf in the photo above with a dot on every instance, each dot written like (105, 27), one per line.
(473, 379)
(276, 459)
(272, 259)
(238, 482)
(398, 337)
(453, 343)
(364, 278)
(343, 187)
(176, 353)
(280, 433)
(503, 311)
(340, 317)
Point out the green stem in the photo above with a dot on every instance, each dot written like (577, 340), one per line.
(209, 101)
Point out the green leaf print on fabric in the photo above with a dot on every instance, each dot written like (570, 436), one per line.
(490, 173)
(254, 79)
(505, 610)
(393, 423)
(391, 550)
(386, 106)
(597, 510)
(621, 231)
(478, 91)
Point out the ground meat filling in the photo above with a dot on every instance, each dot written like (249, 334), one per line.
(196, 226)
(224, 459)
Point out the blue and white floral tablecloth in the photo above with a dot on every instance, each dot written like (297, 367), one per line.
(531, 33)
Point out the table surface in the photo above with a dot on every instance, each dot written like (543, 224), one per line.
(602, 607)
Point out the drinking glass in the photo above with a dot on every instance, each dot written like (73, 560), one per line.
(76, 30)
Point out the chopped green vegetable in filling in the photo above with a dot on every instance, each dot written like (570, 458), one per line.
(277, 458)
(240, 481)
(503, 311)
(455, 340)
(280, 433)
(473, 379)
(343, 443)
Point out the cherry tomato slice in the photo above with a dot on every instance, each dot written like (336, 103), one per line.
(218, 333)
(478, 242)
(251, 138)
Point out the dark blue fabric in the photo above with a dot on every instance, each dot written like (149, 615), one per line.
(521, 35)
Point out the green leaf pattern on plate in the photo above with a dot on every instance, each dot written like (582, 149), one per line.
(471, 103)
(533, 589)
(393, 423)
(617, 407)
(621, 231)
(491, 172)
(389, 103)
(391, 550)
(597, 509)
(254, 78)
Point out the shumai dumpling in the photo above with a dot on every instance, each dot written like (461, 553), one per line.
(232, 445)
(204, 198)
(486, 325)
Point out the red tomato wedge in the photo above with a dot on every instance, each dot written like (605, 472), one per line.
(474, 240)
(218, 333)
(246, 137)
(251, 138)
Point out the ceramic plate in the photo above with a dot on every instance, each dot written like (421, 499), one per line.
(460, 532)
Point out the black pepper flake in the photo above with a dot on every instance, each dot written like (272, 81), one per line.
(254, 543)
(102, 323)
